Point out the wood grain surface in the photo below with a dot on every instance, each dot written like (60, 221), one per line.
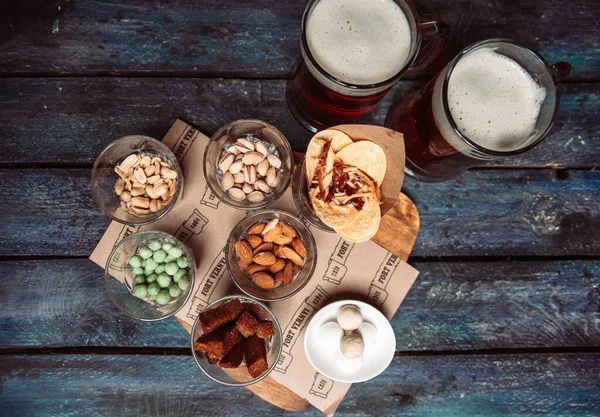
(453, 306)
(554, 385)
(503, 321)
(482, 213)
(256, 38)
(54, 121)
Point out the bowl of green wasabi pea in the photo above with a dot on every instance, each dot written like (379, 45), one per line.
(149, 275)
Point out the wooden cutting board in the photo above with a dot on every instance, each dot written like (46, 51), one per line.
(397, 233)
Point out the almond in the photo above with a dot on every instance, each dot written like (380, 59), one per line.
(287, 230)
(253, 268)
(265, 258)
(276, 249)
(270, 225)
(277, 266)
(282, 240)
(288, 273)
(297, 269)
(299, 247)
(256, 229)
(278, 279)
(272, 234)
(264, 247)
(263, 280)
(289, 253)
(244, 252)
(254, 241)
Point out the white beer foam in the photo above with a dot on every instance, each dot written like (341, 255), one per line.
(359, 41)
(494, 101)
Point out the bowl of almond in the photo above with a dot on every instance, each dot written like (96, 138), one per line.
(136, 180)
(271, 255)
(248, 164)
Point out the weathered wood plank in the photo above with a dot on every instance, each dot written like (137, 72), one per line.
(473, 385)
(487, 212)
(452, 306)
(71, 120)
(255, 38)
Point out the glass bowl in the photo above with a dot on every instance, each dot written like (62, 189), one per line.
(301, 200)
(239, 377)
(118, 278)
(242, 279)
(247, 128)
(104, 177)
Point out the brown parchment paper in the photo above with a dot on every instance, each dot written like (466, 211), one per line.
(362, 271)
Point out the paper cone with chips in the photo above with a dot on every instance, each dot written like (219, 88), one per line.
(351, 178)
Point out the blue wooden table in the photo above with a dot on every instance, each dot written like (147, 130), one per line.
(503, 321)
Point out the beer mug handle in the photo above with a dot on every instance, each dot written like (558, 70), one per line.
(433, 41)
(561, 70)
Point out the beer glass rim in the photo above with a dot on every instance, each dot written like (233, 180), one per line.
(413, 18)
(541, 135)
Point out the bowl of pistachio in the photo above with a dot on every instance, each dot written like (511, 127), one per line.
(150, 275)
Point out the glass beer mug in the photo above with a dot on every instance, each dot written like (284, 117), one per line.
(496, 99)
(353, 52)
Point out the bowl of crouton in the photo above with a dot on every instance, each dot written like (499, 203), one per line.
(236, 341)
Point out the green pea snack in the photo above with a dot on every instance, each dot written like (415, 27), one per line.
(161, 271)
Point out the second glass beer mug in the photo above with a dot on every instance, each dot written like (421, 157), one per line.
(496, 99)
(353, 52)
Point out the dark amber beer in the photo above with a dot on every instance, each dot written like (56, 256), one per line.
(353, 52)
(495, 99)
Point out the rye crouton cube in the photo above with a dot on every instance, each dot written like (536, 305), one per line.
(216, 344)
(255, 355)
(264, 329)
(219, 316)
(246, 324)
(234, 357)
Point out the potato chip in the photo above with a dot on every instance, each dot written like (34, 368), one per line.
(365, 224)
(315, 146)
(311, 166)
(339, 140)
(332, 215)
(366, 155)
